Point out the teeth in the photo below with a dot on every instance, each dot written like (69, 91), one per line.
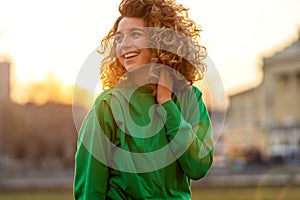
(131, 54)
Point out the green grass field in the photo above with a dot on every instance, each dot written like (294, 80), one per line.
(209, 193)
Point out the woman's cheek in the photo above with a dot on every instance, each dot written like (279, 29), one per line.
(119, 57)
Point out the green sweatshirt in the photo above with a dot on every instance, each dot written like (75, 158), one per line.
(129, 147)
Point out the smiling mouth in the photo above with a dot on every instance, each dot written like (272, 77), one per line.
(131, 54)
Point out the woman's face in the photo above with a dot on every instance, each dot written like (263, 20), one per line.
(132, 43)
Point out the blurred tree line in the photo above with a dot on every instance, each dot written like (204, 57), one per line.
(37, 136)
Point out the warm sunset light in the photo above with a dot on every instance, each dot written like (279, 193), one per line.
(57, 142)
(58, 36)
(50, 89)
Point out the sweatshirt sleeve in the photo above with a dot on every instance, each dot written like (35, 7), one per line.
(91, 172)
(189, 128)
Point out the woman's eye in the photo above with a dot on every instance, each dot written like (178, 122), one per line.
(118, 39)
(136, 34)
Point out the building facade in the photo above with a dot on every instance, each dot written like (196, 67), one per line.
(4, 81)
(271, 111)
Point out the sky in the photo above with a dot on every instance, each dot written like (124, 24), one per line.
(57, 36)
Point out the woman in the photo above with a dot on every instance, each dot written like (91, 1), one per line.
(149, 133)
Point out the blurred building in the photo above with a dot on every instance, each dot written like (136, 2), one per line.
(4, 97)
(267, 117)
(4, 81)
(34, 138)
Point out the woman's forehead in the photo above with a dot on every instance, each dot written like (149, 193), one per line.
(128, 23)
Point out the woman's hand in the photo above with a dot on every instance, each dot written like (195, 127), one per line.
(164, 87)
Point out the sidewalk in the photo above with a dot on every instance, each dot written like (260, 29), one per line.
(251, 175)
(217, 177)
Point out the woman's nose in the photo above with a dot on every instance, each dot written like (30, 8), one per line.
(126, 41)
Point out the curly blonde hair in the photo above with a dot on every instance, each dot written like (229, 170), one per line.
(184, 55)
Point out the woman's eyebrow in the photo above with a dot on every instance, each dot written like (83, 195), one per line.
(130, 30)
(137, 29)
